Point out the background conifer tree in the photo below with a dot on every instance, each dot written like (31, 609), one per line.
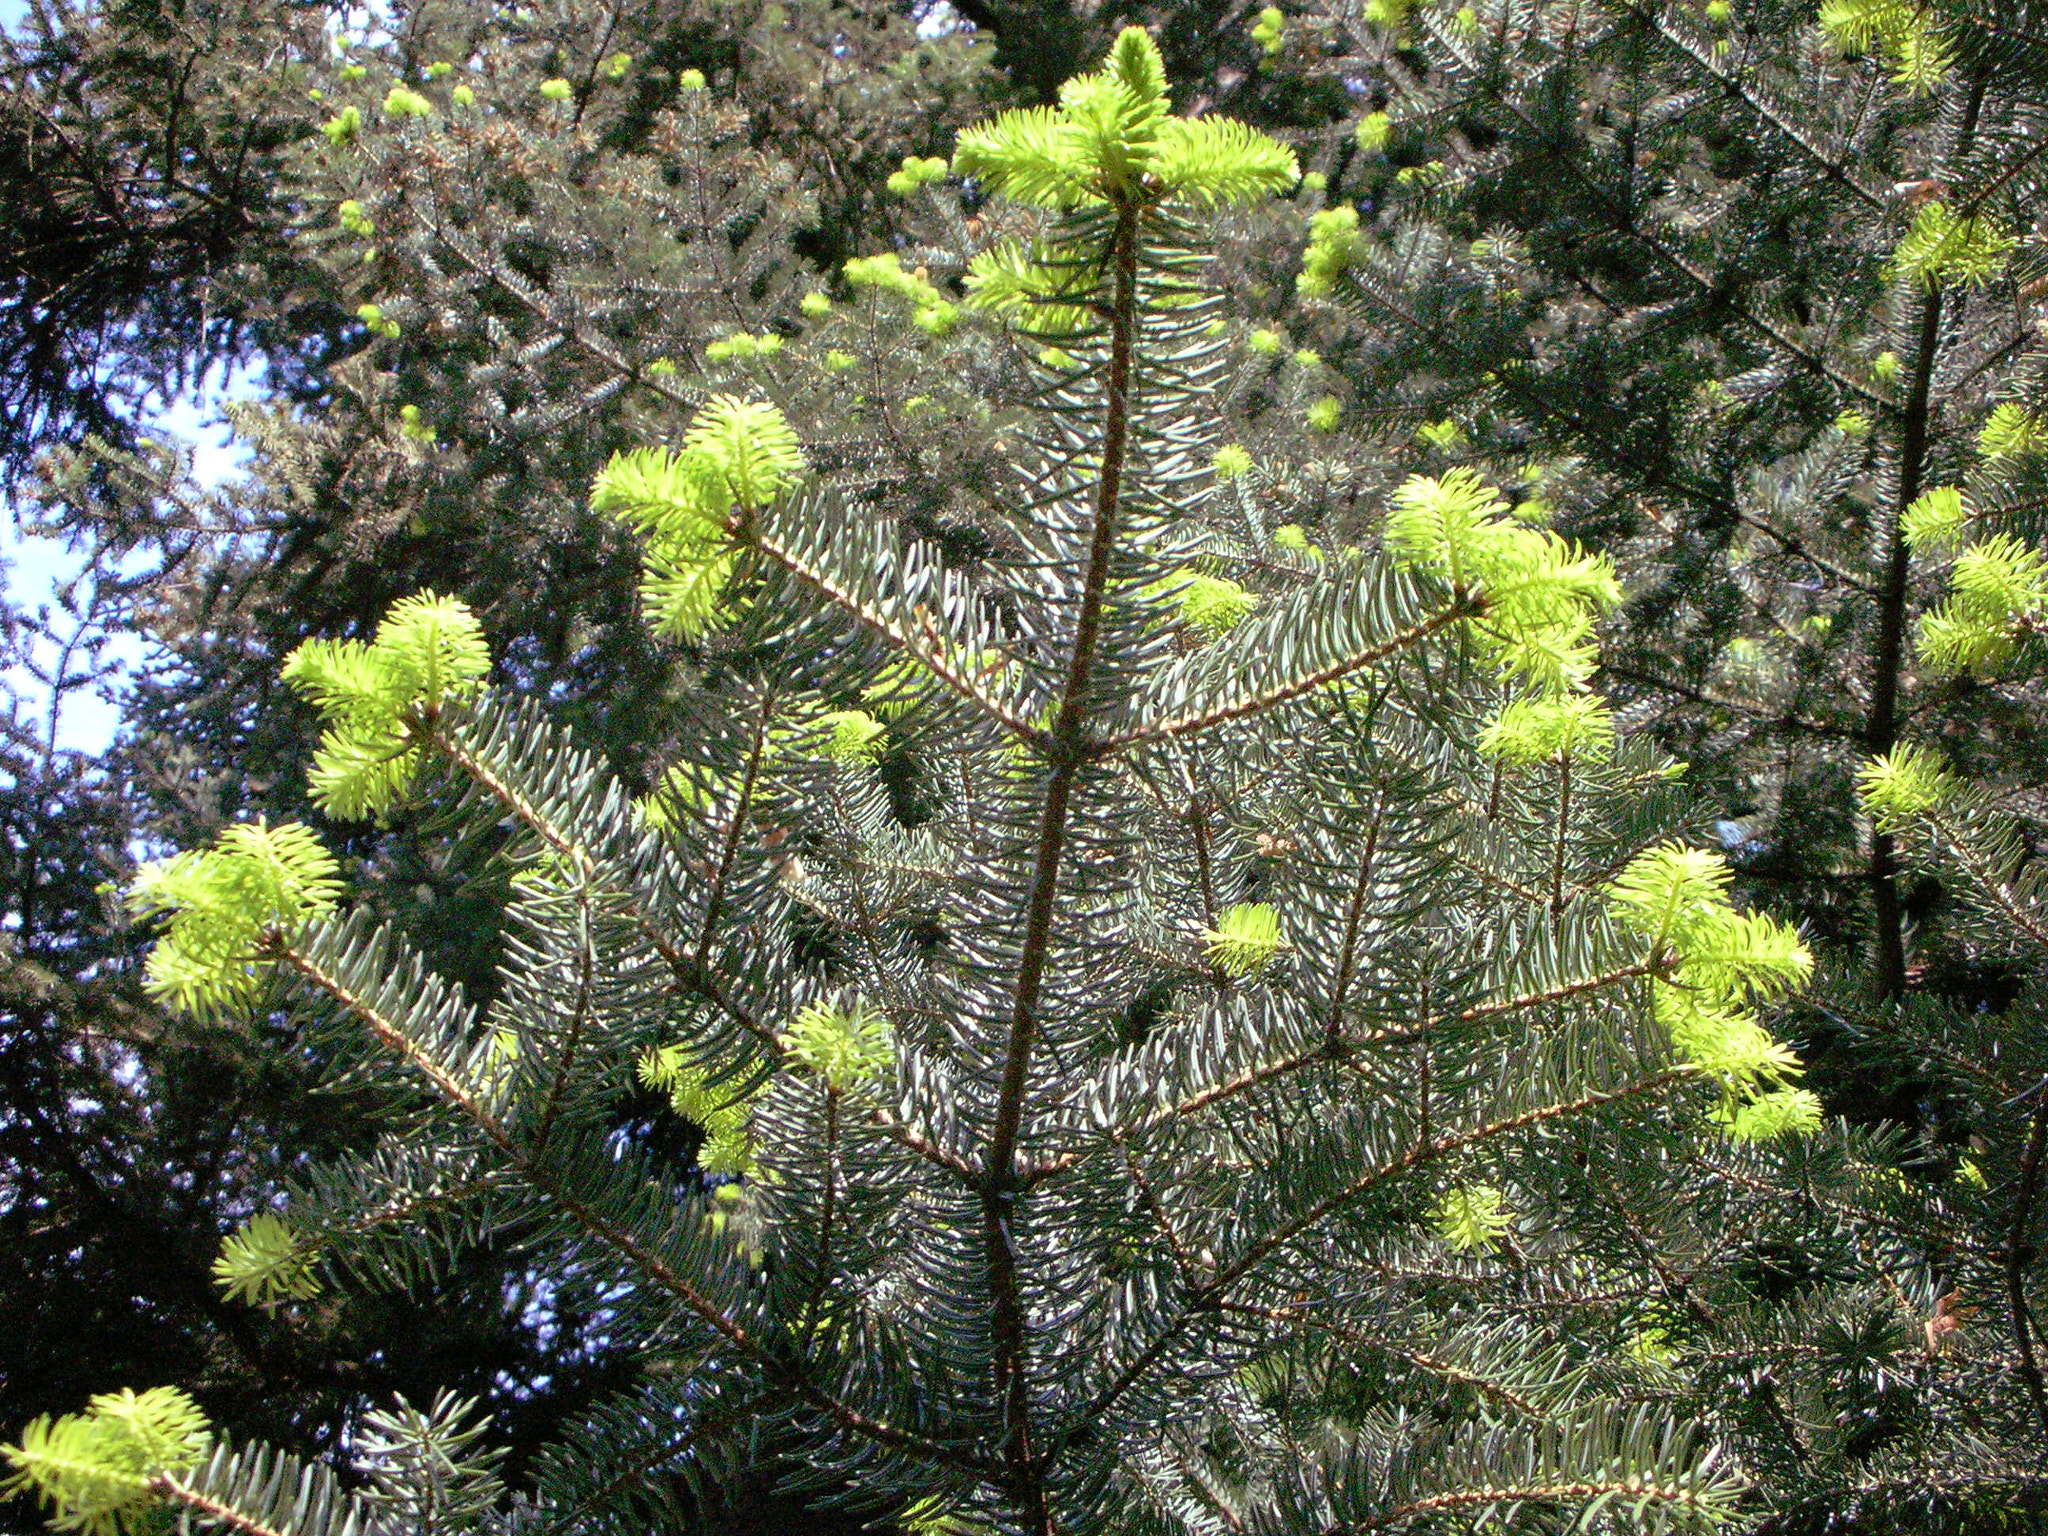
(1753, 287)
(487, 493)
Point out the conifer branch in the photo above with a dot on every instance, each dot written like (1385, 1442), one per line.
(1888, 664)
(1494, 877)
(1212, 1293)
(1964, 850)
(1205, 865)
(807, 1320)
(1284, 1066)
(1741, 90)
(1461, 607)
(211, 1510)
(693, 971)
(1428, 1151)
(1632, 1489)
(1781, 720)
(1675, 1282)
(632, 1476)
(1880, 732)
(1068, 744)
(736, 831)
(1302, 1317)
(1537, 999)
(401, 1212)
(1681, 1286)
(1067, 753)
(1798, 549)
(626, 1244)
(1220, 1092)
(1542, 403)
(1354, 916)
(394, 1039)
(2021, 1254)
(916, 647)
(1183, 1260)
(1626, 223)
(1560, 848)
(542, 307)
(579, 1019)
(520, 805)
(1974, 204)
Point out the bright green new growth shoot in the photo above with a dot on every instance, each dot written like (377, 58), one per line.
(852, 735)
(376, 697)
(1934, 520)
(2011, 431)
(1211, 606)
(691, 506)
(1714, 963)
(1333, 240)
(742, 345)
(916, 171)
(1269, 29)
(846, 1046)
(264, 1263)
(1903, 34)
(930, 309)
(1577, 725)
(1245, 939)
(1998, 589)
(342, 128)
(1230, 462)
(1946, 249)
(1112, 140)
(100, 1471)
(1903, 785)
(1473, 1218)
(726, 1115)
(1536, 596)
(226, 903)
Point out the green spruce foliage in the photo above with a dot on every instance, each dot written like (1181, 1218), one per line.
(1239, 1089)
(1712, 325)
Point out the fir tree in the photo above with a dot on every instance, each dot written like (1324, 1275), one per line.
(1666, 275)
(1284, 951)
